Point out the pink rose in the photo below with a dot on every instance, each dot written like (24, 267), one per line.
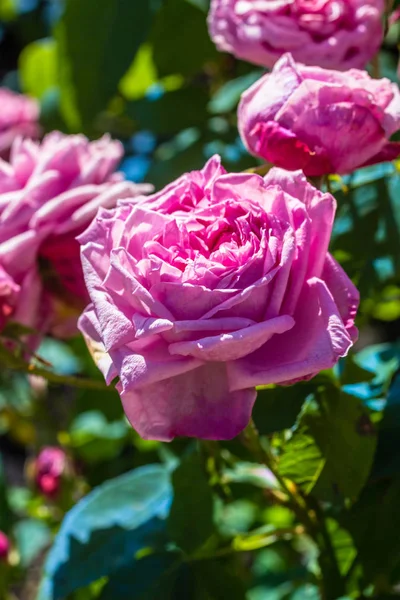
(4, 547)
(49, 193)
(320, 121)
(50, 467)
(335, 34)
(18, 117)
(217, 284)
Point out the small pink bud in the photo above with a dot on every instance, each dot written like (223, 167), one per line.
(50, 466)
(4, 547)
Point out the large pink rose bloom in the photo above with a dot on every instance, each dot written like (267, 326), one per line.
(217, 284)
(335, 34)
(49, 193)
(18, 117)
(320, 121)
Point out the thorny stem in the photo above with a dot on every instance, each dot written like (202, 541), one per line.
(309, 514)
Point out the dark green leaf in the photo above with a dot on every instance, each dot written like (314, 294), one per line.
(147, 579)
(171, 113)
(98, 40)
(190, 522)
(374, 523)
(277, 408)
(5, 511)
(180, 25)
(333, 447)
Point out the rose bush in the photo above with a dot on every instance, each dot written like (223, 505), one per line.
(217, 284)
(49, 193)
(335, 34)
(18, 117)
(321, 121)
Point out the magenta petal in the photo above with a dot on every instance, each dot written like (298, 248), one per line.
(347, 296)
(195, 404)
(89, 326)
(231, 346)
(389, 152)
(318, 339)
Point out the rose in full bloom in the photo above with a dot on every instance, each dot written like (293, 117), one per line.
(217, 284)
(4, 547)
(320, 121)
(335, 34)
(18, 117)
(50, 468)
(49, 193)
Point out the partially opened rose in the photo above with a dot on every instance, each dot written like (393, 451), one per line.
(19, 116)
(335, 34)
(49, 193)
(217, 284)
(320, 121)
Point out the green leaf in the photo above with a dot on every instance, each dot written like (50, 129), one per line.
(146, 579)
(374, 523)
(38, 67)
(173, 112)
(104, 531)
(334, 446)
(141, 75)
(5, 511)
(98, 40)
(95, 439)
(277, 408)
(32, 537)
(343, 546)
(302, 460)
(190, 522)
(347, 439)
(180, 39)
(228, 96)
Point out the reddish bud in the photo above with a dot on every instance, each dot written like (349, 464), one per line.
(4, 547)
(50, 466)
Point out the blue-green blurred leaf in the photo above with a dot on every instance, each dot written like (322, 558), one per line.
(228, 96)
(147, 579)
(103, 532)
(32, 537)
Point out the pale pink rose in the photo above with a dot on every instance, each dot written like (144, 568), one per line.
(217, 284)
(320, 121)
(49, 193)
(335, 34)
(19, 116)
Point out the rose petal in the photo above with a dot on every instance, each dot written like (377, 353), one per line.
(316, 341)
(197, 403)
(231, 346)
